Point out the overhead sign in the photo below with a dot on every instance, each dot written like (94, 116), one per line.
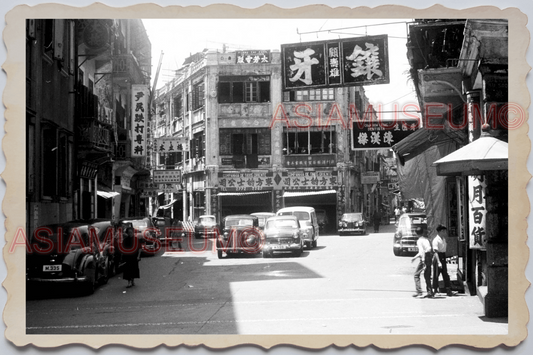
(139, 117)
(172, 144)
(167, 176)
(374, 134)
(344, 62)
(253, 57)
(370, 177)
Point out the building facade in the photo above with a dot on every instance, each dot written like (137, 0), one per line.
(79, 76)
(253, 147)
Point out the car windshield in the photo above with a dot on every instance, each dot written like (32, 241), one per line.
(352, 217)
(282, 223)
(138, 223)
(207, 220)
(418, 220)
(239, 222)
(302, 216)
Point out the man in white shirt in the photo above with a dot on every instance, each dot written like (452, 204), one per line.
(425, 253)
(439, 261)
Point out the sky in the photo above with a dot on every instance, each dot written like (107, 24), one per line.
(179, 38)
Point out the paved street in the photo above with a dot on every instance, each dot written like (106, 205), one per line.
(348, 285)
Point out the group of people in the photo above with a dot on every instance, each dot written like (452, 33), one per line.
(432, 257)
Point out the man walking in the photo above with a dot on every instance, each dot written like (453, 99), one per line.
(425, 254)
(439, 261)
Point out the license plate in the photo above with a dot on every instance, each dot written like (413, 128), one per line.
(412, 249)
(279, 247)
(51, 268)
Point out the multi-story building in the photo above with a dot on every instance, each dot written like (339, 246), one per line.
(79, 77)
(254, 147)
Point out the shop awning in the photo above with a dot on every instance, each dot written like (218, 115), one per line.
(243, 193)
(106, 194)
(308, 193)
(484, 154)
(417, 143)
(167, 205)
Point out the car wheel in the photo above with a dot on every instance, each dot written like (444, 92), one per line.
(90, 284)
(314, 243)
(219, 253)
(397, 252)
(297, 253)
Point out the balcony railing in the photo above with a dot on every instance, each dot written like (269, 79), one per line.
(125, 66)
(94, 135)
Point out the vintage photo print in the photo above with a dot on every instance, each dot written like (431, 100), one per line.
(222, 176)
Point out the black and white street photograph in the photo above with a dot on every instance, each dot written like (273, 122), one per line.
(245, 174)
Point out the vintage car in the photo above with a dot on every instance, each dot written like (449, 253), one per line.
(405, 236)
(263, 216)
(77, 252)
(206, 227)
(240, 235)
(352, 223)
(171, 229)
(283, 236)
(308, 223)
(148, 234)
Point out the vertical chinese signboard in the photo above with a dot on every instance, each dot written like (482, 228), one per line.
(139, 119)
(343, 62)
(477, 209)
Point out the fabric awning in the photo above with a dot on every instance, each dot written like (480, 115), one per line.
(417, 143)
(106, 194)
(243, 193)
(308, 193)
(484, 154)
(167, 205)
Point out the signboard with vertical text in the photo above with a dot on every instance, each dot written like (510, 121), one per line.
(139, 119)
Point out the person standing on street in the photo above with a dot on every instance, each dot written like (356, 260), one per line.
(132, 256)
(439, 260)
(376, 220)
(396, 214)
(425, 253)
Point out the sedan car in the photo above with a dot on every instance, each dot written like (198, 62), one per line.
(405, 236)
(352, 223)
(240, 235)
(148, 234)
(172, 230)
(283, 236)
(206, 227)
(76, 252)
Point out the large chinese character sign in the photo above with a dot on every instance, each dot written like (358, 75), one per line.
(477, 189)
(343, 62)
(139, 119)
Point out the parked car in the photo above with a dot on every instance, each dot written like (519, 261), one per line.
(283, 236)
(240, 234)
(351, 223)
(77, 252)
(263, 216)
(308, 222)
(405, 236)
(206, 227)
(167, 236)
(148, 234)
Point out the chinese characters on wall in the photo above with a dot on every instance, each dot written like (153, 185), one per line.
(139, 118)
(350, 61)
(477, 210)
(380, 135)
(253, 57)
(171, 144)
(314, 180)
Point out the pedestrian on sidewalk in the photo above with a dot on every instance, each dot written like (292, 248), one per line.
(425, 254)
(376, 220)
(439, 260)
(132, 255)
(396, 214)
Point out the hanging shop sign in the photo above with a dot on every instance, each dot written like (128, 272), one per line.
(370, 177)
(309, 180)
(477, 210)
(253, 57)
(167, 176)
(139, 118)
(343, 62)
(172, 144)
(245, 181)
(377, 135)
